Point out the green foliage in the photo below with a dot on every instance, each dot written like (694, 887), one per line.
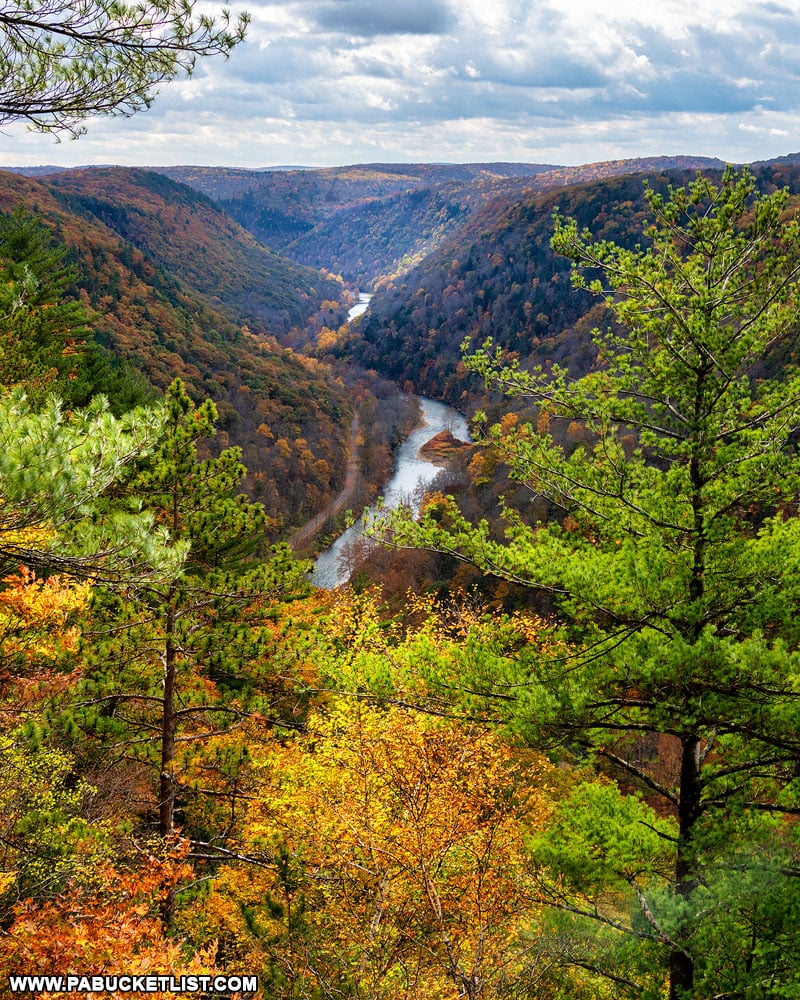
(63, 62)
(600, 840)
(40, 332)
(99, 372)
(673, 553)
(603, 859)
(196, 498)
(55, 468)
(188, 655)
(45, 836)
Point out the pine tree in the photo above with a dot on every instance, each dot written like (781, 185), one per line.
(47, 345)
(184, 660)
(64, 62)
(56, 469)
(41, 331)
(673, 564)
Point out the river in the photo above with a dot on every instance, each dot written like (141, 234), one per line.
(408, 481)
(360, 307)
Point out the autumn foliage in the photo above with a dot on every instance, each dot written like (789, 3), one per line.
(393, 858)
(106, 924)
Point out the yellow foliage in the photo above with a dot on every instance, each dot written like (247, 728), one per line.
(326, 340)
(35, 614)
(28, 538)
(410, 833)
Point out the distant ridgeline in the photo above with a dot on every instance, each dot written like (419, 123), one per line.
(452, 252)
(369, 221)
(177, 288)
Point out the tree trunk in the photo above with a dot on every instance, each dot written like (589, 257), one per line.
(681, 963)
(166, 809)
(166, 805)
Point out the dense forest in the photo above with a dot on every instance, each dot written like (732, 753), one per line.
(545, 746)
(498, 278)
(375, 220)
(176, 289)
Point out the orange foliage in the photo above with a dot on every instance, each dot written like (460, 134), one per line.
(35, 615)
(110, 927)
(409, 833)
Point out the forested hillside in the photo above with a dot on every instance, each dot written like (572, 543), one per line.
(498, 277)
(189, 237)
(374, 220)
(360, 221)
(290, 415)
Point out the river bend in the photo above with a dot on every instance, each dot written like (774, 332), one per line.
(408, 482)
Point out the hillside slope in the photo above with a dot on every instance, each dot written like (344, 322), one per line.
(290, 415)
(188, 235)
(497, 277)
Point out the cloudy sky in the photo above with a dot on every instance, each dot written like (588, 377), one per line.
(328, 82)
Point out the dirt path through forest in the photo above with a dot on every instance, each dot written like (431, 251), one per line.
(303, 536)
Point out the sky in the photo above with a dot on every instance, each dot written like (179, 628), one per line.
(334, 82)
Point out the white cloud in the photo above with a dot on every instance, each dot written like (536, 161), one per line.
(335, 81)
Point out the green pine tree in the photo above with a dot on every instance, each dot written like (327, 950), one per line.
(673, 562)
(56, 471)
(64, 63)
(41, 330)
(47, 345)
(176, 664)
